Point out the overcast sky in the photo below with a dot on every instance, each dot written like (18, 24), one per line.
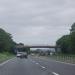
(37, 21)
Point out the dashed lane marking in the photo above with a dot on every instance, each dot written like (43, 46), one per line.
(54, 73)
(43, 67)
(37, 63)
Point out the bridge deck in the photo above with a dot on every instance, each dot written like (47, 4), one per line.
(36, 46)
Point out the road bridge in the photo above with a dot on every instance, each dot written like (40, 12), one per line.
(27, 47)
(36, 46)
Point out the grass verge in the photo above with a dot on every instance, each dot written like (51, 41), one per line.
(5, 56)
(64, 58)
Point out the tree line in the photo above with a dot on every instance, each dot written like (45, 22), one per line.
(6, 42)
(67, 42)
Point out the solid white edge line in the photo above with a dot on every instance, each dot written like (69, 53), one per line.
(6, 61)
(54, 73)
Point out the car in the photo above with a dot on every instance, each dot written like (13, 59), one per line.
(22, 54)
(18, 54)
(25, 55)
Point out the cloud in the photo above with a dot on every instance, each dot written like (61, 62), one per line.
(37, 21)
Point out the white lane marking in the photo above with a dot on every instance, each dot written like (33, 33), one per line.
(54, 73)
(32, 61)
(43, 67)
(6, 62)
(37, 63)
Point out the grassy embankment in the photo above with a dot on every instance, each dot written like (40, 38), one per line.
(5, 56)
(69, 58)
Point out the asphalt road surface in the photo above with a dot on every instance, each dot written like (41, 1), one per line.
(35, 66)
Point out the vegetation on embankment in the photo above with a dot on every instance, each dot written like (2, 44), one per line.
(68, 58)
(67, 42)
(6, 42)
(5, 56)
(7, 45)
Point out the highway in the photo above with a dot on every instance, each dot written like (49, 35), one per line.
(35, 66)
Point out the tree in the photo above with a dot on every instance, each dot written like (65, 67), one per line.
(67, 42)
(72, 33)
(64, 43)
(6, 41)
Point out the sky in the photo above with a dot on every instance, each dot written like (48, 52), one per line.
(34, 22)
